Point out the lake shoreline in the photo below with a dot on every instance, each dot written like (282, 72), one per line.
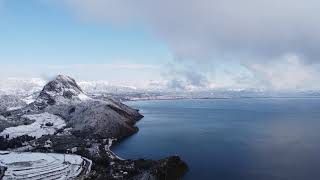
(231, 138)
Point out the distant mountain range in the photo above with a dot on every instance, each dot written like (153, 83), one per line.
(29, 89)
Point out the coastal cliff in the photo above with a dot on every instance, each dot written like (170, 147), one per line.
(63, 119)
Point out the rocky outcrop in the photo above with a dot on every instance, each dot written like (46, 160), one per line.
(170, 168)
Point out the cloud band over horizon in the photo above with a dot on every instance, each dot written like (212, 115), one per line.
(275, 42)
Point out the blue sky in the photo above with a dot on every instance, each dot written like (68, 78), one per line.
(33, 32)
(191, 44)
(46, 39)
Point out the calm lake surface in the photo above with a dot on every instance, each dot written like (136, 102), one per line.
(231, 139)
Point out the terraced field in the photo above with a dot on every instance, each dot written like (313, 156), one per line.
(43, 166)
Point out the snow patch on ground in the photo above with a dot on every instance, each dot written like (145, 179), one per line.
(38, 128)
(83, 97)
(29, 99)
(14, 108)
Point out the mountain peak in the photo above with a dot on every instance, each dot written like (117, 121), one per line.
(62, 77)
(62, 84)
(60, 89)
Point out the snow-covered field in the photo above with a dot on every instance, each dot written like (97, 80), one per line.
(34, 166)
(38, 128)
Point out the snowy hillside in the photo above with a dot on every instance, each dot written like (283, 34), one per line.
(10, 102)
(62, 100)
(44, 124)
(20, 86)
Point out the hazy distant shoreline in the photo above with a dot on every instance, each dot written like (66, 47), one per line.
(209, 98)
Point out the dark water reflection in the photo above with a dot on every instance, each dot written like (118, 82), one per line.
(249, 139)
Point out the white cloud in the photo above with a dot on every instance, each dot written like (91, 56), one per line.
(258, 30)
(185, 77)
(287, 73)
(203, 28)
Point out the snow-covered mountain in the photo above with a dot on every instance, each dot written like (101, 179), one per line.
(63, 97)
(60, 90)
(29, 89)
(94, 87)
(20, 86)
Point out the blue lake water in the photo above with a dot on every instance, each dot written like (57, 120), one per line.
(231, 139)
